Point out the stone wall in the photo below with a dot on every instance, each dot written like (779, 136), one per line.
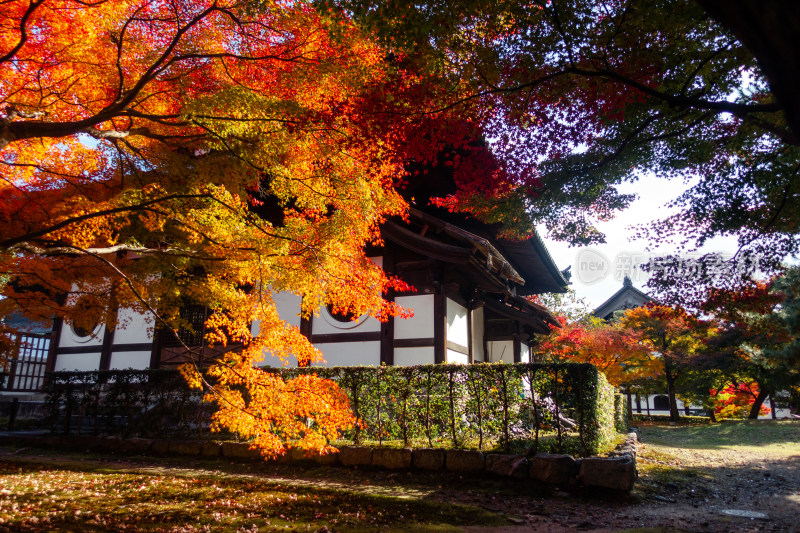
(617, 471)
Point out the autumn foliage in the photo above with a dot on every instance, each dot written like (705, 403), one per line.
(614, 350)
(736, 400)
(159, 153)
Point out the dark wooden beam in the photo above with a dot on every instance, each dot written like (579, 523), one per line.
(387, 328)
(108, 343)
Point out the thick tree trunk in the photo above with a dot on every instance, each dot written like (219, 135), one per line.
(756, 407)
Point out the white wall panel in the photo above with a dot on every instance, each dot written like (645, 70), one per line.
(69, 339)
(78, 361)
(524, 353)
(351, 353)
(457, 357)
(288, 306)
(457, 331)
(274, 360)
(123, 360)
(500, 351)
(325, 324)
(477, 335)
(420, 326)
(133, 327)
(413, 356)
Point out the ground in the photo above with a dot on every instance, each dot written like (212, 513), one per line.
(689, 475)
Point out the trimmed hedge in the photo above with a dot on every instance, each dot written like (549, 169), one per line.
(483, 406)
(146, 403)
(641, 417)
(621, 412)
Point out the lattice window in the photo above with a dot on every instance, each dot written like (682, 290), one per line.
(26, 373)
(195, 316)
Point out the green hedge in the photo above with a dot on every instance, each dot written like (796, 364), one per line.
(484, 406)
(641, 417)
(147, 403)
(621, 412)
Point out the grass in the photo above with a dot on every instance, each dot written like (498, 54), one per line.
(78, 494)
(779, 436)
(659, 466)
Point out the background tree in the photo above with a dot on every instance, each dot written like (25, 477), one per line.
(672, 336)
(581, 95)
(567, 305)
(756, 338)
(212, 152)
(616, 351)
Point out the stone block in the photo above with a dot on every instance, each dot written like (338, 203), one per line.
(507, 465)
(428, 458)
(355, 455)
(186, 447)
(464, 461)
(553, 469)
(326, 459)
(618, 473)
(109, 444)
(160, 447)
(135, 445)
(392, 457)
(211, 449)
(239, 450)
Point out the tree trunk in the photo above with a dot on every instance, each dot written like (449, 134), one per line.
(674, 416)
(772, 407)
(762, 395)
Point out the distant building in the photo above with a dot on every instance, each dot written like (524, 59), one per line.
(628, 297)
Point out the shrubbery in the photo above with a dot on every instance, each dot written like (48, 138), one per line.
(567, 408)
(641, 417)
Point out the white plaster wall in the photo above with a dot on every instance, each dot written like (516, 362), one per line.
(524, 353)
(325, 323)
(457, 357)
(69, 339)
(477, 335)
(420, 326)
(288, 306)
(133, 327)
(351, 353)
(274, 360)
(123, 360)
(78, 361)
(413, 356)
(500, 351)
(457, 330)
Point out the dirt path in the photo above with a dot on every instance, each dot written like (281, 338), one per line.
(683, 487)
(691, 488)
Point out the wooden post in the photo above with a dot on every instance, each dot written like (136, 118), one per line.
(387, 328)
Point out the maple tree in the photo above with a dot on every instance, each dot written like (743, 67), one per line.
(756, 344)
(737, 400)
(582, 95)
(613, 349)
(158, 153)
(672, 336)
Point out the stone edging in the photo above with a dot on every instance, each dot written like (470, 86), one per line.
(617, 471)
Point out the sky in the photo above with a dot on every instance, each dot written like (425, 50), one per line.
(598, 271)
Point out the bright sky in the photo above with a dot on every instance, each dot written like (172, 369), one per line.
(598, 271)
